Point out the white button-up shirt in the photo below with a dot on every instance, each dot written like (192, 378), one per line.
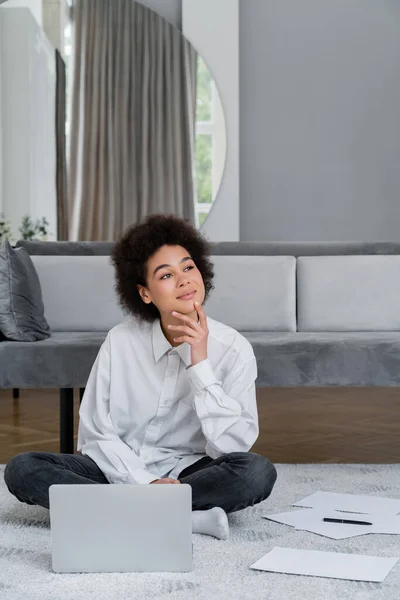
(147, 413)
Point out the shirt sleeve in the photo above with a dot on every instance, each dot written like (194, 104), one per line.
(227, 410)
(97, 437)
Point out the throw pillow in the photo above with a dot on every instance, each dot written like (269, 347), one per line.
(21, 304)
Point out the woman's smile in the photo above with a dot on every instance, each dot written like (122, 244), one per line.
(187, 296)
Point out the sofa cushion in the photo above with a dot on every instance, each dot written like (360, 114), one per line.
(251, 292)
(284, 359)
(348, 293)
(365, 359)
(21, 305)
(254, 292)
(63, 360)
(78, 292)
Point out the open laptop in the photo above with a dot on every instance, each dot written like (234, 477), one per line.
(121, 528)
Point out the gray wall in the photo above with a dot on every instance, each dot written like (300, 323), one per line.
(320, 120)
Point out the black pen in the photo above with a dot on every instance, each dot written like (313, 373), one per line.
(328, 520)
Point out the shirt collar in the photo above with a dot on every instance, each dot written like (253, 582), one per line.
(161, 345)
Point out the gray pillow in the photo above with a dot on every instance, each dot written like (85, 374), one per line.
(21, 304)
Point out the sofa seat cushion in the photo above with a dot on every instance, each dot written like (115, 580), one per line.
(327, 358)
(284, 359)
(63, 360)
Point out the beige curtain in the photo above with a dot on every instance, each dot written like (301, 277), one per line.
(132, 119)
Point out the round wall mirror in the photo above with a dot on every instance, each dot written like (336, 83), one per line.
(210, 141)
(154, 79)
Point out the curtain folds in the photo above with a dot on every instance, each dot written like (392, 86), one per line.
(132, 119)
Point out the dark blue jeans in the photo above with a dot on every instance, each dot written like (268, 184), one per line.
(232, 481)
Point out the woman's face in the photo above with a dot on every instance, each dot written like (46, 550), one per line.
(173, 282)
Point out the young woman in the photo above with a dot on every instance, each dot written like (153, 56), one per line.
(171, 396)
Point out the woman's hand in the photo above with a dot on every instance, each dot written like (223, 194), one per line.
(195, 333)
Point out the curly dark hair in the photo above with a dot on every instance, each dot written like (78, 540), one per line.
(139, 242)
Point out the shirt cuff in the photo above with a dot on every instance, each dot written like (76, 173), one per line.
(142, 477)
(202, 375)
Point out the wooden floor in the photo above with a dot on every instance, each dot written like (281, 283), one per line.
(356, 425)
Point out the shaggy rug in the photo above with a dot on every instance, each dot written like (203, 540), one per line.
(220, 568)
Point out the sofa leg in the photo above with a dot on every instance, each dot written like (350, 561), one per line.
(67, 420)
(15, 392)
(81, 392)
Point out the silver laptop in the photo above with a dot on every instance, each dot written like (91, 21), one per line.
(121, 528)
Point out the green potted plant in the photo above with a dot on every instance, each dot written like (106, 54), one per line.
(5, 229)
(32, 230)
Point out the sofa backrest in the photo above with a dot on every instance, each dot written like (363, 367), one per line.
(226, 248)
(348, 293)
(252, 293)
(78, 292)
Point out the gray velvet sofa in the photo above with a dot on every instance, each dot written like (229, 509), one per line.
(316, 314)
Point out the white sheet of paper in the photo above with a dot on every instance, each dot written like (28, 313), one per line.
(351, 503)
(311, 519)
(387, 525)
(293, 517)
(326, 564)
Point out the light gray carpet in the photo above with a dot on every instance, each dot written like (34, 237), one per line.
(221, 568)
